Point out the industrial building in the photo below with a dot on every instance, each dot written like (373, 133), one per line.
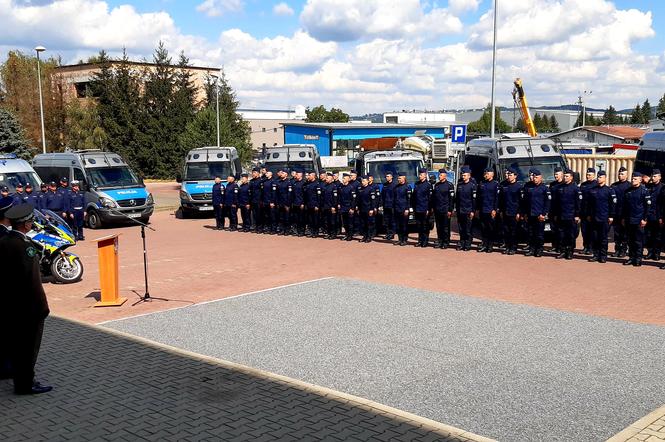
(605, 135)
(267, 124)
(419, 117)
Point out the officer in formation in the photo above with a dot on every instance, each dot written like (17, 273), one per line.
(24, 302)
(636, 208)
(466, 208)
(620, 237)
(556, 235)
(422, 194)
(402, 208)
(536, 200)
(443, 203)
(587, 233)
(330, 205)
(19, 195)
(75, 209)
(510, 194)
(244, 201)
(488, 205)
(654, 227)
(347, 204)
(387, 202)
(55, 198)
(255, 200)
(269, 212)
(231, 202)
(31, 197)
(367, 205)
(218, 198)
(566, 208)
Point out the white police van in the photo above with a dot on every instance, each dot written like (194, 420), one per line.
(201, 167)
(14, 170)
(113, 192)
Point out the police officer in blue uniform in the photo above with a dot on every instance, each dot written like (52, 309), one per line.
(347, 204)
(55, 200)
(268, 211)
(19, 195)
(255, 192)
(298, 204)
(231, 202)
(75, 209)
(387, 203)
(283, 192)
(536, 200)
(31, 197)
(488, 204)
(442, 204)
(636, 208)
(654, 228)
(244, 202)
(355, 183)
(566, 207)
(422, 192)
(620, 238)
(313, 197)
(585, 188)
(602, 202)
(329, 205)
(218, 197)
(402, 207)
(466, 208)
(4, 192)
(41, 196)
(366, 204)
(556, 234)
(510, 193)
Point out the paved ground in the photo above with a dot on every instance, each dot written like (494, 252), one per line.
(507, 371)
(133, 390)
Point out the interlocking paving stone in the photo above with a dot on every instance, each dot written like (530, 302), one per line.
(509, 371)
(108, 387)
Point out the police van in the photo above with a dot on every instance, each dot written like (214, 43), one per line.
(14, 170)
(290, 156)
(113, 192)
(201, 167)
(651, 153)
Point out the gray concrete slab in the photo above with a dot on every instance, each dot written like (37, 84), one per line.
(511, 372)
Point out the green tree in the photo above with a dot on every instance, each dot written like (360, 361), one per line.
(234, 131)
(520, 126)
(320, 114)
(661, 105)
(646, 111)
(483, 125)
(637, 116)
(554, 124)
(84, 128)
(12, 136)
(610, 116)
(538, 122)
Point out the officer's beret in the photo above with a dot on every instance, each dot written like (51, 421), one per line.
(256, 169)
(52, 183)
(345, 174)
(466, 169)
(622, 169)
(511, 170)
(4, 189)
(5, 204)
(64, 179)
(422, 170)
(28, 185)
(536, 172)
(558, 169)
(637, 175)
(364, 177)
(231, 175)
(20, 213)
(329, 174)
(75, 182)
(655, 172)
(443, 171)
(568, 171)
(19, 185)
(532, 170)
(322, 171)
(389, 173)
(354, 171)
(591, 170)
(244, 175)
(602, 173)
(43, 185)
(488, 169)
(310, 171)
(401, 173)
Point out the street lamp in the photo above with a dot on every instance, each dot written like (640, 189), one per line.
(493, 112)
(39, 49)
(217, 104)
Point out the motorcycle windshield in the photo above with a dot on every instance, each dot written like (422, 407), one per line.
(55, 221)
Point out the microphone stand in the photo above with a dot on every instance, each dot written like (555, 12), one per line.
(146, 296)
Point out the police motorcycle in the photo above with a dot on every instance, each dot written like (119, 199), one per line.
(54, 235)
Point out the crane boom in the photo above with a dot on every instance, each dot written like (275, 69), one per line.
(520, 101)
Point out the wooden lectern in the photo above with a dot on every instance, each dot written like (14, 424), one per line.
(107, 252)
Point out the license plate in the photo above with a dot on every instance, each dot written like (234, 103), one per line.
(134, 215)
(206, 208)
(548, 228)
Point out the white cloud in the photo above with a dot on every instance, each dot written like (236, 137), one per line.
(349, 20)
(282, 9)
(457, 6)
(216, 8)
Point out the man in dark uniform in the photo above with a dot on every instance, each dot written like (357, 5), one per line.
(566, 207)
(602, 209)
(24, 304)
(466, 208)
(488, 203)
(43, 193)
(218, 191)
(19, 195)
(536, 201)
(323, 220)
(255, 192)
(64, 189)
(585, 188)
(636, 207)
(75, 208)
(654, 228)
(329, 205)
(267, 212)
(313, 202)
(402, 207)
(355, 183)
(422, 192)
(31, 197)
(347, 203)
(556, 235)
(367, 205)
(510, 193)
(283, 192)
(298, 204)
(55, 200)
(387, 198)
(231, 202)
(442, 203)
(620, 239)
(4, 192)
(6, 203)
(244, 202)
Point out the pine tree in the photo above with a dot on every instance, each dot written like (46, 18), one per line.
(483, 125)
(538, 122)
(646, 111)
(637, 116)
(12, 136)
(661, 106)
(610, 116)
(520, 126)
(84, 129)
(554, 124)
(234, 131)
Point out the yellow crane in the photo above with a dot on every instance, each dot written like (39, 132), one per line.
(520, 101)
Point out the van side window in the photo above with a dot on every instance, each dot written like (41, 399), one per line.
(51, 173)
(477, 165)
(80, 176)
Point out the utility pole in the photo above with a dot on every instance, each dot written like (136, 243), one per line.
(493, 111)
(39, 49)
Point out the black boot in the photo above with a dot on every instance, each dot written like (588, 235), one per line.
(629, 262)
(569, 253)
(562, 255)
(530, 252)
(594, 258)
(538, 252)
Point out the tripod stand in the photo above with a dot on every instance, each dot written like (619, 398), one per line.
(146, 296)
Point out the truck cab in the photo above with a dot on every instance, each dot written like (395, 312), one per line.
(290, 156)
(378, 163)
(201, 167)
(113, 192)
(14, 170)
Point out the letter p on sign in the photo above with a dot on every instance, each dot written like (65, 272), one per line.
(459, 134)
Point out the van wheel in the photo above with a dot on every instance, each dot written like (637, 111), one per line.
(94, 221)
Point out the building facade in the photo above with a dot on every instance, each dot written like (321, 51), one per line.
(267, 125)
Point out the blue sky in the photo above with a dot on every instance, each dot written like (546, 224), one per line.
(372, 55)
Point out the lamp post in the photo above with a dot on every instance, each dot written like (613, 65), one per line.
(493, 111)
(217, 105)
(39, 49)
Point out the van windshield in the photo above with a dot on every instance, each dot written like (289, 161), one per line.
(649, 159)
(275, 166)
(113, 177)
(522, 165)
(207, 171)
(11, 179)
(378, 169)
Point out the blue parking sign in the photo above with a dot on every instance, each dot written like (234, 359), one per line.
(458, 133)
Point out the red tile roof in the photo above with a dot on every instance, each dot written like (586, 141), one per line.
(624, 132)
